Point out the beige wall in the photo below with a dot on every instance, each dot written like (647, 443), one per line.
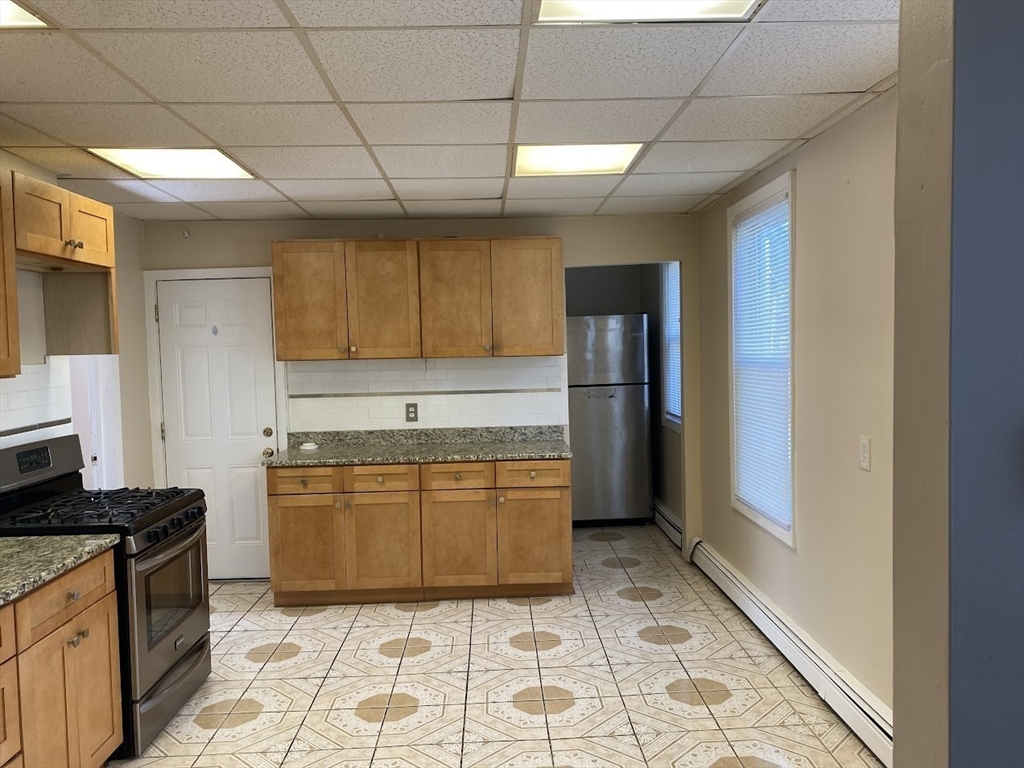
(836, 586)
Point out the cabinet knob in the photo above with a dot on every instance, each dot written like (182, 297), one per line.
(501, 499)
(304, 483)
(79, 244)
(70, 243)
(458, 475)
(533, 475)
(337, 505)
(74, 596)
(380, 478)
(75, 641)
(351, 349)
(487, 347)
(84, 633)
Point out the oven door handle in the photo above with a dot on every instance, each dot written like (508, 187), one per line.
(147, 564)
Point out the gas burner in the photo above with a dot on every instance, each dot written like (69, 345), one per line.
(120, 507)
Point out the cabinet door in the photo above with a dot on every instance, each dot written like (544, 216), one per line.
(42, 219)
(459, 539)
(382, 540)
(10, 722)
(10, 357)
(94, 685)
(455, 298)
(92, 225)
(44, 671)
(534, 536)
(307, 543)
(383, 299)
(310, 319)
(528, 297)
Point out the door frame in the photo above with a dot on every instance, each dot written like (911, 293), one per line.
(150, 278)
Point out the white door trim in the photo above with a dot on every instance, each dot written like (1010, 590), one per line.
(150, 278)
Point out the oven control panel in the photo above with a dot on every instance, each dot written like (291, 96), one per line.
(174, 524)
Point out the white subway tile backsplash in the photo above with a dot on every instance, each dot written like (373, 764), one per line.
(40, 393)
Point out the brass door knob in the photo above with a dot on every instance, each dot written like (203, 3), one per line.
(268, 432)
(268, 452)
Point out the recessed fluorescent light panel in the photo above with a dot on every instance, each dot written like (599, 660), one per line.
(174, 163)
(610, 11)
(573, 159)
(13, 16)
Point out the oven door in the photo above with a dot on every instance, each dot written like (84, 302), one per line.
(168, 605)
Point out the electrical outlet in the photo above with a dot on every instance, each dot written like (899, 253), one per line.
(412, 412)
(864, 454)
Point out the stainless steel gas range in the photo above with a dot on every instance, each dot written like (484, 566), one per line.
(161, 573)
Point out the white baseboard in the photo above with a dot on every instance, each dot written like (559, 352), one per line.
(869, 718)
(668, 524)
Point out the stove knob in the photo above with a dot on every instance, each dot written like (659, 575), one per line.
(177, 523)
(152, 536)
(166, 531)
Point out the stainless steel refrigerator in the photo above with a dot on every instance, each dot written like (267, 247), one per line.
(609, 417)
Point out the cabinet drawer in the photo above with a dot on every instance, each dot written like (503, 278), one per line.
(451, 477)
(7, 645)
(281, 480)
(533, 474)
(10, 718)
(47, 608)
(388, 477)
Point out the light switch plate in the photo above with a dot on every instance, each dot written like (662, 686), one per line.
(412, 412)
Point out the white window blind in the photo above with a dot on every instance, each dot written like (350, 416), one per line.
(762, 369)
(672, 346)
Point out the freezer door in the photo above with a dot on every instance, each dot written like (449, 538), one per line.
(607, 349)
(611, 456)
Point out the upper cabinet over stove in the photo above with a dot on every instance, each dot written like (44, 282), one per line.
(377, 299)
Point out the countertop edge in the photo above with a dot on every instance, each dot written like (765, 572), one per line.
(445, 458)
(59, 563)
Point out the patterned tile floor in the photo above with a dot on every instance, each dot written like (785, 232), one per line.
(648, 664)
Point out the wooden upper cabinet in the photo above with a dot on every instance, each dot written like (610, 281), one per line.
(528, 297)
(10, 357)
(382, 540)
(42, 218)
(310, 318)
(455, 298)
(92, 228)
(383, 298)
(307, 543)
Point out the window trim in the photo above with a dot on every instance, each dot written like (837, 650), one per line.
(670, 420)
(777, 189)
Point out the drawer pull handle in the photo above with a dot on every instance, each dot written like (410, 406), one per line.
(74, 596)
(75, 641)
(380, 478)
(533, 475)
(458, 475)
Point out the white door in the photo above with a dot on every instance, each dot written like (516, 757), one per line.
(217, 375)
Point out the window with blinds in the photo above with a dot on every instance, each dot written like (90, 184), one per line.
(762, 361)
(672, 346)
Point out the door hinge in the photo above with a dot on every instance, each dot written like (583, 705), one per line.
(156, 312)
(163, 431)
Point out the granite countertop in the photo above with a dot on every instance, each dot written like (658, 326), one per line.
(27, 562)
(423, 446)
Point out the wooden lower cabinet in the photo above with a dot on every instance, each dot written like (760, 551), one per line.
(307, 543)
(382, 540)
(10, 719)
(16, 762)
(534, 536)
(459, 539)
(71, 691)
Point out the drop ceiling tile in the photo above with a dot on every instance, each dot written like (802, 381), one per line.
(706, 156)
(578, 122)
(14, 134)
(308, 162)
(68, 162)
(481, 122)
(466, 161)
(563, 206)
(754, 117)
(334, 189)
(421, 64)
(408, 13)
(806, 58)
(109, 125)
(432, 209)
(271, 125)
(218, 190)
(49, 66)
(671, 204)
(253, 210)
(628, 60)
(162, 211)
(117, 191)
(355, 209)
(214, 66)
(674, 183)
(830, 10)
(153, 14)
(562, 186)
(448, 189)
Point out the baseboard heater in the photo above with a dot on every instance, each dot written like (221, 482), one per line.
(668, 525)
(873, 726)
